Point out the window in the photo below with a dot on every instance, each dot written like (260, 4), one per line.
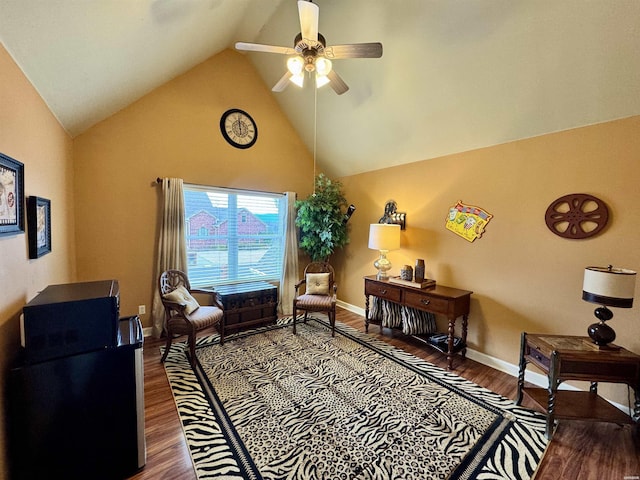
(233, 236)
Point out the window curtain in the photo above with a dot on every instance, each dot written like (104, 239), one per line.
(290, 259)
(172, 250)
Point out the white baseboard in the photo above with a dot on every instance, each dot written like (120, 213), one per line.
(351, 308)
(535, 378)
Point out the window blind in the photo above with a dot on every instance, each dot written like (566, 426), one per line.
(233, 236)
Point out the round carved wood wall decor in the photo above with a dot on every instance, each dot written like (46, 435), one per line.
(577, 216)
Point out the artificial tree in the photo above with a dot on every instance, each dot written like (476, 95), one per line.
(321, 219)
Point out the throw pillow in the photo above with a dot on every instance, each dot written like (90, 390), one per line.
(182, 296)
(392, 314)
(375, 312)
(317, 283)
(416, 322)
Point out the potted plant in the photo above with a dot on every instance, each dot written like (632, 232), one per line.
(321, 220)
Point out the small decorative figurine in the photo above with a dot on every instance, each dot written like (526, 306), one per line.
(419, 272)
(406, 273)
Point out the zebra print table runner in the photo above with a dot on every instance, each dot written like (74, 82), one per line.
(270, 404)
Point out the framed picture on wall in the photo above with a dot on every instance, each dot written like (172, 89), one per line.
(11, 196)
(39, 226)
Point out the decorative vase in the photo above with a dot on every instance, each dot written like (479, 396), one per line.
(406, 272)
(419, 271)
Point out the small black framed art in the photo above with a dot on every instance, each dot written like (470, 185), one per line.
(11, 196)
(39, 226)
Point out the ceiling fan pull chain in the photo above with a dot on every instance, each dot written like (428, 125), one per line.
(315, 133)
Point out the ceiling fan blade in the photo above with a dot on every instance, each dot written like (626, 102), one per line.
(309, 13)
(258, 47)
(337, 83)
(356, 50)
(282, 83)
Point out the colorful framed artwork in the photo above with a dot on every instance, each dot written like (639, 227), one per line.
(39, 226)
(467, 221)
(11, 196)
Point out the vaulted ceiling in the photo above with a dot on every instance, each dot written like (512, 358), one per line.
(455, 75)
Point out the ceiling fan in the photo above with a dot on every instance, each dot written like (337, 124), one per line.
(310, 53)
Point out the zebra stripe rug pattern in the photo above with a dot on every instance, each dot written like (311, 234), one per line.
(272, 405)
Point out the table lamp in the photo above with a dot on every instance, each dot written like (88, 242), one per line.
(609, 287)
(383, 237)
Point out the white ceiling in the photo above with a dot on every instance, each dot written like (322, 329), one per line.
(455, 74)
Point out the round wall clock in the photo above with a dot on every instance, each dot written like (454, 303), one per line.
(238, 128)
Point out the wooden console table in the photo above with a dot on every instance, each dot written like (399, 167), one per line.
(447, 301)
(577, 358)
(247, 305)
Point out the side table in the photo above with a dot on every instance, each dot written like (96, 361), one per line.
(577, 358)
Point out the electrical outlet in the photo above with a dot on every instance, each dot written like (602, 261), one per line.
(142, 309)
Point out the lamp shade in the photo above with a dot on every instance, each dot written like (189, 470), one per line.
(609, 286)
(384, 236)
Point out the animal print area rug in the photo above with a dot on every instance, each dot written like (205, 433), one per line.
(273, 405)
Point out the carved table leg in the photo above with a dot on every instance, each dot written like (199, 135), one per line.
(366, 313)
(523, 366)
(465, 322)
(452, 328)
(553, 388)
(636, 405)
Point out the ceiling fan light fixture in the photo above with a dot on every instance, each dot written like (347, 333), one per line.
(323, 66)
(298, 79)
(309, 61)
(321, 80)
(295, 65)
(310, 53)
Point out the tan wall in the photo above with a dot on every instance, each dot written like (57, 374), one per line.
(524, 277)
(30, 134)
(174, 132)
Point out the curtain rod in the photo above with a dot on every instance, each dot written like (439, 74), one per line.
(160, 180)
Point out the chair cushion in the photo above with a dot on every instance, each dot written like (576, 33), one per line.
(203, 317)
(315, 302)
(317, 284)
(206, 316)
(182, 296)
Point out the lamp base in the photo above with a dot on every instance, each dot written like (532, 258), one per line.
(383, 265)
(601, 334)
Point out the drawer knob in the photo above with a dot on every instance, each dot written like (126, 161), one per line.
(425, 301)
(383, 292)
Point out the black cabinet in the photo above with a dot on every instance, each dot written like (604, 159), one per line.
(80, 416)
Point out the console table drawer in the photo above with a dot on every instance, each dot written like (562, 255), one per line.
(387, 292)
(424, 301)
(599, 371)
(537, 357)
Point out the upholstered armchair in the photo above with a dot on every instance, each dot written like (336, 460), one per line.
(183, 314)
(319, 293)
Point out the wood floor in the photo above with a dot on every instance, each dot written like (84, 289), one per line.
(579, 450)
